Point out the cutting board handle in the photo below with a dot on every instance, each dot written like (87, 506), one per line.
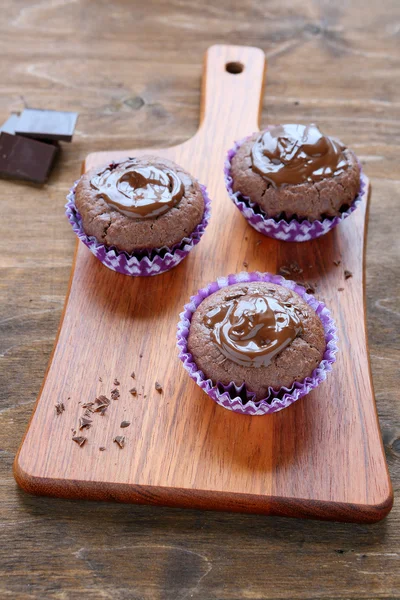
(233, 78)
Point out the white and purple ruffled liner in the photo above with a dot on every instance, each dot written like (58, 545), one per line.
(238, 398)
(280, 229)
(146, 262)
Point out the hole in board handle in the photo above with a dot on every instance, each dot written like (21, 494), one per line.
(234, 68)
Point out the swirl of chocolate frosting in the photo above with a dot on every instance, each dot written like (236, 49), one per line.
(139, 189)
(252, 329)
(293, 154)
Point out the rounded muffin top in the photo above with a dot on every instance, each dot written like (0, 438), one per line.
(139, 203)
(262, 334)
(296, 171)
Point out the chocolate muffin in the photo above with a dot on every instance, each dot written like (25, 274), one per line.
(296, 171)
(139, 203)
(258, 333)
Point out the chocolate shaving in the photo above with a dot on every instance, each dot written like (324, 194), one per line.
(133, 374)
(60, 408)
(158, 387)
(348, 274)
(79, 439)
(85, 422)
(88, 406)
(116, 382)
(120, 440)
(337, 262)
(125, 424)
(115, 394)
(133, 391)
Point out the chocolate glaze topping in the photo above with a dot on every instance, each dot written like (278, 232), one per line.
(252, 329)
(293, 154)
(139, 189)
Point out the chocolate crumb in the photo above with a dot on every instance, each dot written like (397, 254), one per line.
(133, 374)
(120, 440)
(145, 396)
(80, 440)
(310, 287)
(125, 424)
(116, 382)
(246, 238)
(337, 262)
(158, 387)
(60, 408)
(133, 391)
(102, 448)
(100, 379)
(348, 274)
(88, 406)
(85, 422)
(340, 289)
(258, 242)
(295, 267)
(245, 264)
(140, 355)
(88, 414)
(115, 394)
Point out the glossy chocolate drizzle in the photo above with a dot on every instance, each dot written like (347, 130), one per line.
(139, 189)
(294, 154)
(252, 329)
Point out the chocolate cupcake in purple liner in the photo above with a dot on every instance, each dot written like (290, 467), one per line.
(256, 342)
(140, 216)
(293, 183)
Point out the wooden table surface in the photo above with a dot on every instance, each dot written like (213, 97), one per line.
(132, 70)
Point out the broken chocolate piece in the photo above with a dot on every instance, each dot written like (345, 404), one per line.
(100, 379)
(245, 264)
(102, 448)
(337, 262)
(310, 287)
(79, 439)
(47, 124)
(25, 159)
(348, 274)
(133, 391)
(294, 267)
(158, 387)
(88, 406)
(116, 382)
(115, 394)
(85, 422)
(60, 408)
(125, 424)
(120, 440)
(133, 374)
(10, 124)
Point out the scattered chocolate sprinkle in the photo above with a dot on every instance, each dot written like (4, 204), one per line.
(133, 374)
(120, 440)
(337, 262)
(60, 408)
(79, 439)
(85, 422)
(158, 387)
(340, 289)
(245, 264)
(133, 391)
(348, 274)
(103, 400)
(116, 382)
(100, 379)
(115, 394)
(102, 448)
(125, 424)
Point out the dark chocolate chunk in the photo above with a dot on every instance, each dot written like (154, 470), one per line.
(125, 424)
(102, 448)
(102, 403)
(47, 124)
(85, 422)
(158, 387)
(60, 408)
(310, 287)
(116, 382)
(133, 391)
(348, 274)
(10, 124)
(120, 440)
(115, 394)
(79, 439)
(133, 374)
(88, 406)
(26, 159)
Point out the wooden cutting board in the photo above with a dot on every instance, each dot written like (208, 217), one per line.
(321, 458)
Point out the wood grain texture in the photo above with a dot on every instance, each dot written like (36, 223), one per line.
(133, 85)
(323, 458)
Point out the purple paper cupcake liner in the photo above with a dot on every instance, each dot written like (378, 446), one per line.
(238, 398)
(146, 262)
(280, 229)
